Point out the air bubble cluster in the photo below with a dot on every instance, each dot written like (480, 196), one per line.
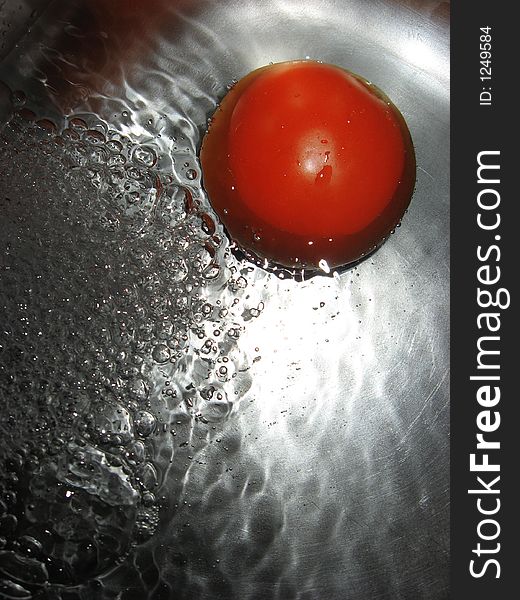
(120, 313)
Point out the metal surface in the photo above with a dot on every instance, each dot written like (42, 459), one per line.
(329, 479)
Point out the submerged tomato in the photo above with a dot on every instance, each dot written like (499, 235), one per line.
(306, 162)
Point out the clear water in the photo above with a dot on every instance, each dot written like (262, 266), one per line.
(175, 422)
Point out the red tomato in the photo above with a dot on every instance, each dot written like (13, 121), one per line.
(305, 162)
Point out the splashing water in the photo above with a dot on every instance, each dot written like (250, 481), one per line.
(121, 313)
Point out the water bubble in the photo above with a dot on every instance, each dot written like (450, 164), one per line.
(94, 137)
(117, 160)
(212, 271)
(114, 146)
(111, 424)
(241, 283)
(144, 156)
(324, 266)
(47, 125)
(30, 546)
(208, 223)
(161, 353)
(78, 124)
(144, 423)
(134, 173)
(70, 134)
(138, 389)
(147, 476)
(217, 409)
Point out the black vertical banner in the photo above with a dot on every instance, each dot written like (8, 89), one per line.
(484, 250)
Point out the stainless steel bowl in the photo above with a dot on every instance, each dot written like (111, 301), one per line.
(326, 475)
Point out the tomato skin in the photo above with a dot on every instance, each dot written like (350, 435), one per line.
(305, 162)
